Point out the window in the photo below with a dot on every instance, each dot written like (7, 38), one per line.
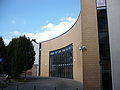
(61, 63)
(104, 50)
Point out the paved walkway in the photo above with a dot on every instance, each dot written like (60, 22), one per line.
(45, 83)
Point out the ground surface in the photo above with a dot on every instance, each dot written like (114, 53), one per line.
(44, 83)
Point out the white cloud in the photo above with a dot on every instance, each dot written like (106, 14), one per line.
(52, 30)
(70, 19)
(6, 41)
(49, 31)
(48, 26)
(16, 33)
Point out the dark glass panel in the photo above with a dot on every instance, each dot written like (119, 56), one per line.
(104, 49)
(61, 62)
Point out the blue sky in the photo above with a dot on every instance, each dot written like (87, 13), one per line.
(37, 19)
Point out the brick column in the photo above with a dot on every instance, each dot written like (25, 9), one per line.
(91, 67)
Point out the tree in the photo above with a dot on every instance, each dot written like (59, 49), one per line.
(2, 54)
(25, 52)
(10, 57)
(20, 55)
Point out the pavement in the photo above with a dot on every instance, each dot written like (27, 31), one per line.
(45, 83)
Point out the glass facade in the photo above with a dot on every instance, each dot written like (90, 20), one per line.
(61, 62)
(104, 49)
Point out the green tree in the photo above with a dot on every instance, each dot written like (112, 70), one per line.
(10, 57)
(24, 55)
(2, 54)
(20, 56)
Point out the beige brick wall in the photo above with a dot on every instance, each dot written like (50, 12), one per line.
(72, 36)
(91, 67)
(84, 32)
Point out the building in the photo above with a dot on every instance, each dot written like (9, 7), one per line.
(89, 50)
(35, 69)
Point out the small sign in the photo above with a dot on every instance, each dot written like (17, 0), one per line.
(100, 3)
(1, 59)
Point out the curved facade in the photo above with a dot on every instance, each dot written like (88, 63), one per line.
(89, 51)
(81, 62)
(72, 36)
